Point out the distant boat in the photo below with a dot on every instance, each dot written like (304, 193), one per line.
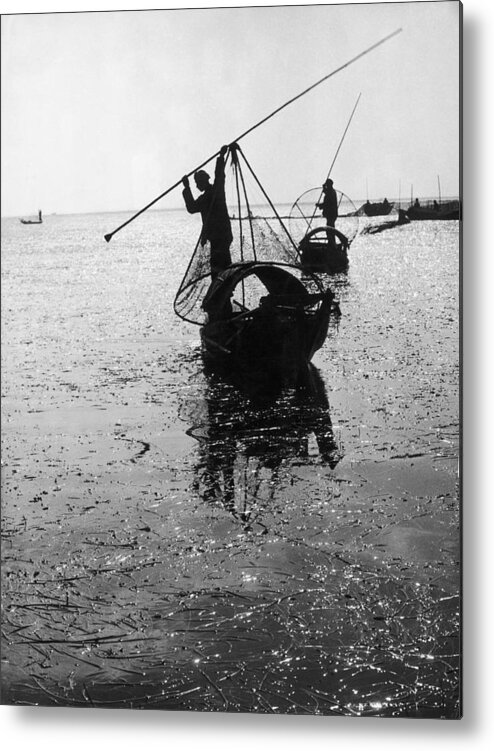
(380, 208)
(39, 220)
(434, 210)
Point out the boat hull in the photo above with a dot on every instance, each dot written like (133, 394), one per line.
(324, 250)
(267, 346)
(419, 214)
(376, 209)
(320, 257)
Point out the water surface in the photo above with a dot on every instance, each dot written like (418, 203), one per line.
(168, 543)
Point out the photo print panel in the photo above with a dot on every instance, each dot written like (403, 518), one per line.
(231, 359)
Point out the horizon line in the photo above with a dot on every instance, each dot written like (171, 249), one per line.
(453, 197)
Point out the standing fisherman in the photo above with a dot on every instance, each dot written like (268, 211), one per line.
(216, 227)
(329, 204)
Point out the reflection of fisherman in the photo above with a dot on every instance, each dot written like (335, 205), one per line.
(329, 203)
(259, 436)
(215, 220)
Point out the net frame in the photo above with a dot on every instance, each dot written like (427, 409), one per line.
(255, 240)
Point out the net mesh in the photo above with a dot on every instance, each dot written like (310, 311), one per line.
(259, 234)
(305, 216)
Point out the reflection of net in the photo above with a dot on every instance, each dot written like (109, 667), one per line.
(254, 240)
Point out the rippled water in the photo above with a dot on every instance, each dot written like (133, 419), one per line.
(167, 543)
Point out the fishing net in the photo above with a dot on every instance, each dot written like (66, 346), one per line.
(259, 234)
(305, 216)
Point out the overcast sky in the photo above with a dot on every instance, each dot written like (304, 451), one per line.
(104, 111)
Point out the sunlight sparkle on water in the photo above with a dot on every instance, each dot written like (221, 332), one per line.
(248, 577)
(346, 573)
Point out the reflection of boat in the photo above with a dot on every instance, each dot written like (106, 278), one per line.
(434, 210)
(260, 316)
(39, 220)
(244, 445)
(322, 249)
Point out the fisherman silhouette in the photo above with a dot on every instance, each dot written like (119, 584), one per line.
(329, 204)
(211, 204)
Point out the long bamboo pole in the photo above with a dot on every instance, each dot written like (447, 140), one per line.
(334, 160)
(343, 136)
(109, 236)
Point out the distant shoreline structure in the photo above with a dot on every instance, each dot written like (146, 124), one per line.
(398, 203)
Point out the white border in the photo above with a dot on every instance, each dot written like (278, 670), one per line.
(53, 729)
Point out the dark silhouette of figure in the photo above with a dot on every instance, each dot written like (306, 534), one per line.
(244, 442)
(211, 204)
(386, 203)
(417, 203)
(329, 203)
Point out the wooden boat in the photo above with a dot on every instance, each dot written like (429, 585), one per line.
(379, 208)
(275, 339)
(324, 249)
(39, 220)
(434, 211)
(262, 317)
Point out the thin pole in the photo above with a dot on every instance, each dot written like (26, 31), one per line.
(439, 188)
(109, 236)
(344, 134)
(334, 159)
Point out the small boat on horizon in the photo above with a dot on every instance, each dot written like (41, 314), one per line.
(39, 220)
(377, 208)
